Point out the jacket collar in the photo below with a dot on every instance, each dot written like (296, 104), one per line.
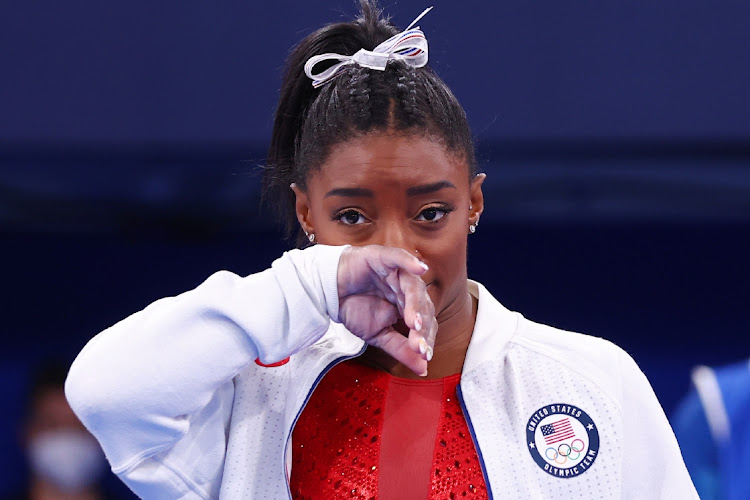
(494, 327)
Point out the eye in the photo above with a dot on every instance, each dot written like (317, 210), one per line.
(350, 217)
(433, 214)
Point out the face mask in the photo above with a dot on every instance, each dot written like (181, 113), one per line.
(71, 460)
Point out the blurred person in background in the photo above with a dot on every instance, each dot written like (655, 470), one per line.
(711, 425)
(65, 462)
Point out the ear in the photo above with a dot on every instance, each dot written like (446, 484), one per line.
(477, 198)
(302, 207)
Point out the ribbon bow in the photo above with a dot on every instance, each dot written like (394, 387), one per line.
(409, 46)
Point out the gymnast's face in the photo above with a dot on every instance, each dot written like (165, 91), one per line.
(400, 191)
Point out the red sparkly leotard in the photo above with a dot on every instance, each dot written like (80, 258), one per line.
(367, 434)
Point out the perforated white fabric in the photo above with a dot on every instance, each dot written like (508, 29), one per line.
(525, 382)
(182, 410)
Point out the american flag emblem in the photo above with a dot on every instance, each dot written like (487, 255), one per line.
(557, 431)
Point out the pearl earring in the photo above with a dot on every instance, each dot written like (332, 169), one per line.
(473, 227)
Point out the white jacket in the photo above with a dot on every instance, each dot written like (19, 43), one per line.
(182, 410)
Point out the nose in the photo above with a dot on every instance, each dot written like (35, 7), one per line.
(396, 235)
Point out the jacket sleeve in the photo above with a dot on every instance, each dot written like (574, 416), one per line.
(162, 378)
(652, 466)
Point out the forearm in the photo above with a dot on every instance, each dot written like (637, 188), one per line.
(136, 384)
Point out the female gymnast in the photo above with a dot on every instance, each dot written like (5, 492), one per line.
(366, 364)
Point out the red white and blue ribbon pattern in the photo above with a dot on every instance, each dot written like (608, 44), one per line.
(409, 46)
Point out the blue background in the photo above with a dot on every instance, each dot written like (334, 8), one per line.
(615, 136)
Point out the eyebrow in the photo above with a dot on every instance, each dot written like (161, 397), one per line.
(350, 192)
(412, 191)
(429, 188)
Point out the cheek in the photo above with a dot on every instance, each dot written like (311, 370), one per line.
(330, 234)
(446, 257)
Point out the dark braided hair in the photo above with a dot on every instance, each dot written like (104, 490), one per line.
(310, 121)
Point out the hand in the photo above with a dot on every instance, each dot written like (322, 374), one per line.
(378, 285)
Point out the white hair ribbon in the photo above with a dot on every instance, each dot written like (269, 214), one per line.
(409, 46)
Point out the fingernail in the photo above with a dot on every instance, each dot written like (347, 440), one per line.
(423, 346)
(423, 374)
(424, 266)
(428, 354)
(418, 323)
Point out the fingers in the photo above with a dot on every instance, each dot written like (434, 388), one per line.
(419, 315)
(397, 346)
(395, 275)
(366, 315)
(361, 268)
(385, 260)
(413, 300)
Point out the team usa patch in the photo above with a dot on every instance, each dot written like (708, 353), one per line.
(562, 440)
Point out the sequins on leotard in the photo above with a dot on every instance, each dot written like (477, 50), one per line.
(357, 410)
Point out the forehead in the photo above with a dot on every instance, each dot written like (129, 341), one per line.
(389, 158)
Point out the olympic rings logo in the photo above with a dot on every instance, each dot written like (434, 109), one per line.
(565, 451)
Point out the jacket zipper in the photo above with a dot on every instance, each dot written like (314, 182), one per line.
(474, 438)
(304, 403)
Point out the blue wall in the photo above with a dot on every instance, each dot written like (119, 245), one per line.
(199, 71)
